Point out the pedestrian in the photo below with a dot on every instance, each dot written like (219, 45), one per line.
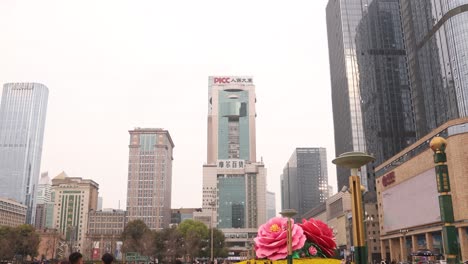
(107, 258)
(75, 258)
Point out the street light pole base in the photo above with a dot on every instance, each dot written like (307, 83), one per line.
(360, 255)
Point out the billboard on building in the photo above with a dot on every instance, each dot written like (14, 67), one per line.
(413, 202)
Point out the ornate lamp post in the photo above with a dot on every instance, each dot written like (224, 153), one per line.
(449, 233)
(353, 161)
(289, 213)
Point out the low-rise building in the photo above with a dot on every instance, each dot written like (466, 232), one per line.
(12, 213)
(104, 232)
(408, 197)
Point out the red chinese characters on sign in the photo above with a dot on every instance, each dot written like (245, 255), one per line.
(388, 179)
(228, 80)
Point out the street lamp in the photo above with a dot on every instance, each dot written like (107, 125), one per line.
(353, 161)
(289, 213)
(404, 253)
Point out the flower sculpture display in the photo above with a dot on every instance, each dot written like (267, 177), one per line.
(311, 238)
(272, 239)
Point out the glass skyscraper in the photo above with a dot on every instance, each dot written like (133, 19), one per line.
(388, 119)
(436, 39)
(22, 119)
(150, 177)
(304, 182)
(343, 17)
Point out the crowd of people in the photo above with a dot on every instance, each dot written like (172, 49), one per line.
(77, 258)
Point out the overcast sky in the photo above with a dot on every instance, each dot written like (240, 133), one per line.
(114, 65)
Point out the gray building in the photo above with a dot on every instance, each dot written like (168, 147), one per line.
(436, 42)
(271, 204)
(44, 205)
(22, 119)
(385, 89)
(150, 177)
(343, 17)
(304, 183)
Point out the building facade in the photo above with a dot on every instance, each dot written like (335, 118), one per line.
(435, 39)
(74, 198)
(105, 229)
(343, 17)
(271, 205)
(410, 176)
(44, 207)
(181, 214)
(12, 213)
(234, 182)
(383, 80)
(305, 180)
(150, 177)
(22, 119)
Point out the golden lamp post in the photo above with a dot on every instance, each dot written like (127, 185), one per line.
(289, 213)
(354, 161)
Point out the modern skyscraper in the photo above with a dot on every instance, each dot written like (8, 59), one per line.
(234, 183)
(22, 119)
(271, 205)
(435, 39)
(385, 89)
(74, 198)
(343, 17)
(44, 207)
(150, 177)
(305, 180)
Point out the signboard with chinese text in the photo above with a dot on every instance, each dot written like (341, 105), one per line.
(227, 80)
(231, 164)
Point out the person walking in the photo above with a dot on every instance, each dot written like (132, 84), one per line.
(107, 258)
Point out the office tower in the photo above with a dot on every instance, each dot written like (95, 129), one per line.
(22, 119)
(44, 207)
(343, 17)
(234, 183)
(435, 39)
(150, 177)
(305, 180)
(271, 205)
(74, 198)
(385, 89)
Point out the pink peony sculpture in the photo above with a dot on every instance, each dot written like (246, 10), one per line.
(320, 234)
(272, 239)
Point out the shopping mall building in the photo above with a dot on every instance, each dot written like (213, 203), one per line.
(408, 204)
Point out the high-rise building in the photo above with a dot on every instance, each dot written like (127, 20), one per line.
(74, 198)
(385, 89)
(435, 39)
(150, 177)
(44, 207)
(305, 180)
(234, 183)
(22, 119)
(271, 205)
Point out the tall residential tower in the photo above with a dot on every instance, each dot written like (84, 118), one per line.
(22, 119)
(150, 177)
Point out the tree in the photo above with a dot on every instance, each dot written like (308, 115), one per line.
(219, 248)
(137, 237)
(168, 244)
(195, 234)
(7, 245)
(27, 241)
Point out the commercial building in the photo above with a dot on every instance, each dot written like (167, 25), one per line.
(234, 182)
(408, 201)
(435, 40)
(44, 207)
(150, 177)
(12, 213)
(388, 119)
(343, 17)
(181, 214)
(74, 198)
(105, 229)
(22, 119)
(304, 180)
(271, 205)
